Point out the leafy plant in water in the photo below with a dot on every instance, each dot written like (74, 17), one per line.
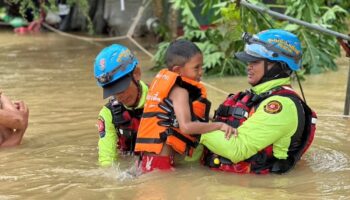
(219, 42)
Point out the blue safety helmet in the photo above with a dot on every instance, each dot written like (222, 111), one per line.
(113, 69)
(274, 45)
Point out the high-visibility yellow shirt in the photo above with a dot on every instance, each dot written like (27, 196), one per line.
(107, 143)
(260, 130)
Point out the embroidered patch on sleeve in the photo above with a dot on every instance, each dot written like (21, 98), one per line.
(273, 107)
(101, 127)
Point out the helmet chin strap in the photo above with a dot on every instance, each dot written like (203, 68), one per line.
(277, 70)
(301, 88)
(139, 91)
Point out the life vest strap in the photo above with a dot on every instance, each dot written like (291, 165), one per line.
(314, 120)
(176, 134)
(164, 135)
(149, 114)
(149, 140)
(207, 104)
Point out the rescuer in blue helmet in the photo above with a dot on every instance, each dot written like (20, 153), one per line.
(274, 125)
(116, 70)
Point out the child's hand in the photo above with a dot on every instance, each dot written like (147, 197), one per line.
(229, 131)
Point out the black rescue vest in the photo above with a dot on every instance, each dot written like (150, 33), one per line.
(237, 108)
(127, 123)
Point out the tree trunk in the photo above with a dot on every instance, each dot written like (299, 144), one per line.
(158, 9)
(173, 23)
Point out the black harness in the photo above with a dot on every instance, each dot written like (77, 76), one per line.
(126, 122)
(264, 161)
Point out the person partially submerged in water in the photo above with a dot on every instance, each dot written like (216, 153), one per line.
(13, 121)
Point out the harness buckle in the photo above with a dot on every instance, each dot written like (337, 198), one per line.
(239, 113)
(313, 120)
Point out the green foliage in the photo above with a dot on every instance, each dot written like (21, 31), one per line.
(222, 40)
(84, 7)
(24, 5)
(319, 50)
(254, 22)
(191, 29)
(160, 54)
(217, 43)
(345, 4)
(228, 22)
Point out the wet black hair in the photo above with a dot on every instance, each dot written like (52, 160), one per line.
(180, 52)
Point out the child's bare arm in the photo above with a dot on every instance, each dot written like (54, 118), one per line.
(180, 99)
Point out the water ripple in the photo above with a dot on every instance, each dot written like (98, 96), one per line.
(324, 159)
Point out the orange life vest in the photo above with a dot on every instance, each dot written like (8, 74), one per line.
(151, 136)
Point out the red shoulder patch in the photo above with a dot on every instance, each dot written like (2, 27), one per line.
(101, 127)
(273, 107)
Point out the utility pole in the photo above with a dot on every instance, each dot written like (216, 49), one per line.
(346, 47)
(347, 97)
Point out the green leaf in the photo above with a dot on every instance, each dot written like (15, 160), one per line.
(291, 27)
(211, 60)
(221, 41)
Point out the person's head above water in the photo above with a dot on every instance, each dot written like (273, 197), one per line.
(185, 58)
(116, 71)
(270, 54)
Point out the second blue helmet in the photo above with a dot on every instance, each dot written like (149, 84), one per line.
(113, 63)
(274, 45)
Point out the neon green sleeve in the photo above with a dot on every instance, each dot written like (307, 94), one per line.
(108, 139)
(259, 131)
(196, 155)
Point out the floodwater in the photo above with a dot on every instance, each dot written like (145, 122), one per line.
(58, 155)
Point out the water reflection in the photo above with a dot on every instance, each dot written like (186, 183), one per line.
(58, 157)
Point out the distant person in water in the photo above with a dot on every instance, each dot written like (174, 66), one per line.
(13, 121)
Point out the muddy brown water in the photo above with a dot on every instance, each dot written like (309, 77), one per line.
(58, 156)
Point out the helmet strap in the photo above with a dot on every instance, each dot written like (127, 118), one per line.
(266, 67)
(301, 88)
(139, 91)
(278, 70)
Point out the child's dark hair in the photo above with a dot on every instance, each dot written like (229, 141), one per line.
(180, 52)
